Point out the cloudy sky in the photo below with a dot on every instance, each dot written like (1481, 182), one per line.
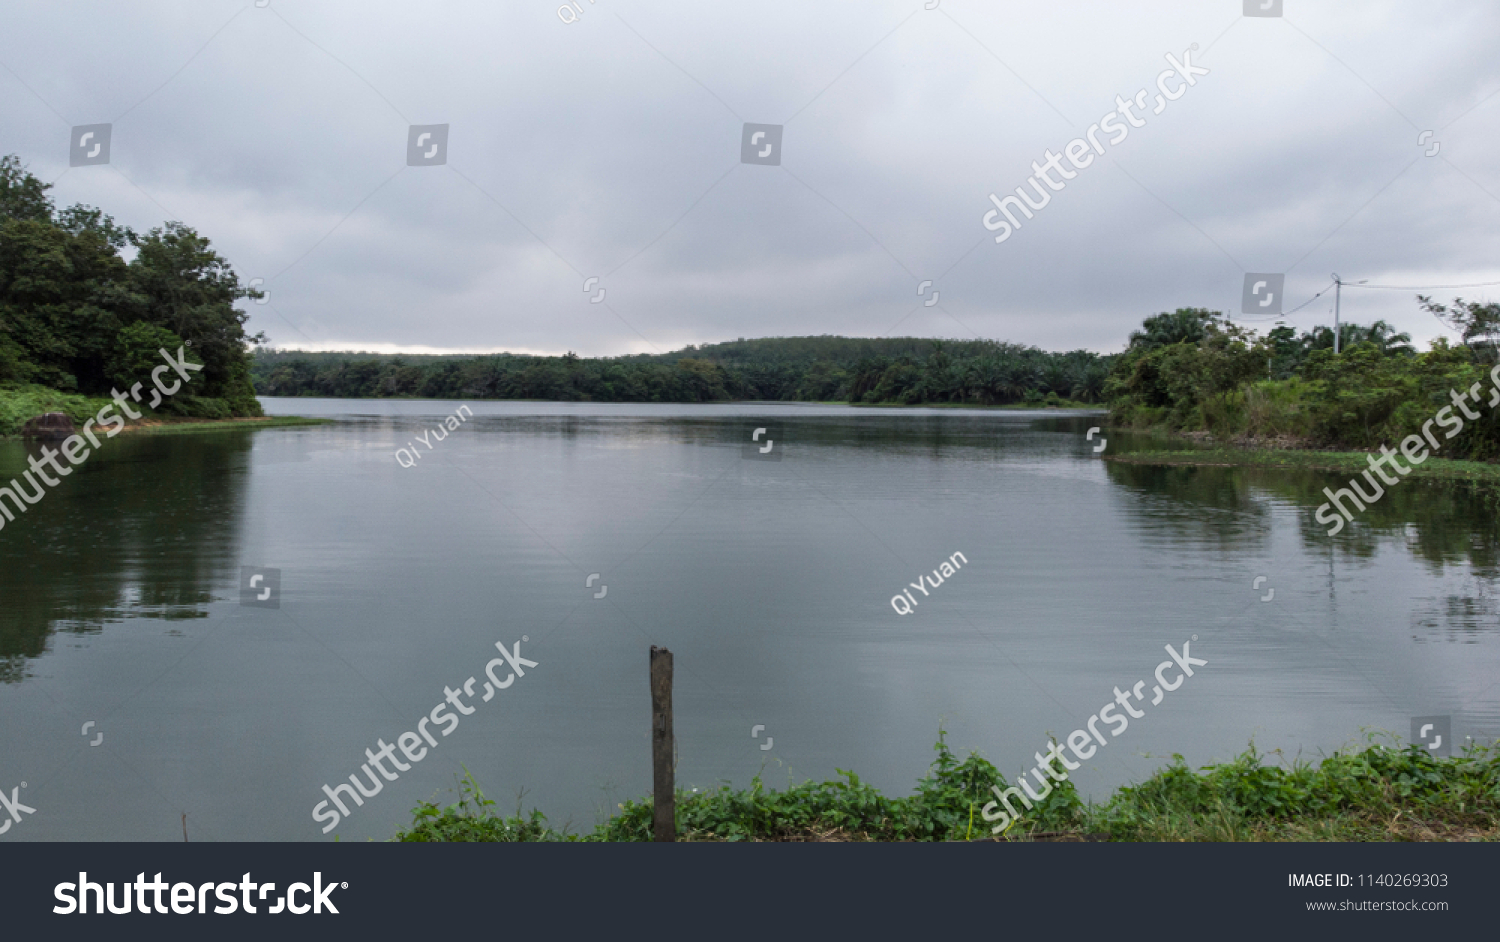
(610, 147)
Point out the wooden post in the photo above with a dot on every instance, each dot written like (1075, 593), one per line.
(662, 784)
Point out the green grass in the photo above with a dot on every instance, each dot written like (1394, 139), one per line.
(20, 403)
(1351, 462)
(1026, 406)
(1380, 793)
(1383, 792)
(171, 426)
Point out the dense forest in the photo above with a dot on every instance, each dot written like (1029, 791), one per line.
(76, 317)
(1192, 370)
(905, 370)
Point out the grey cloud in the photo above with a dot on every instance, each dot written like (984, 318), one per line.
(609, 147)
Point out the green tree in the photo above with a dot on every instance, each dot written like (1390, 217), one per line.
(22, 196)
(1183, 383)
(137, 351)
(75, 316)
(1477, 324)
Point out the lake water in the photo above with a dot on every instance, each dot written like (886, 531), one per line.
(770, 581)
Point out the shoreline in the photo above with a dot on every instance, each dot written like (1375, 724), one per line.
(1353, 794)
(1019, 406)
(180, 425)
(1290, 459)
(20, 403)
(166, 426)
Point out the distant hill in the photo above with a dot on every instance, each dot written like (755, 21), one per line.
(908, 370)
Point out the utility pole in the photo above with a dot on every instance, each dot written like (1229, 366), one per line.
(1337, 288)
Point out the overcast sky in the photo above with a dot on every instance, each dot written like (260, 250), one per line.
(610, 147)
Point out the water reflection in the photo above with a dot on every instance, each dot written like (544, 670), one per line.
(1442, 526)
(1220, 507)
(148, 526)
(1462, 619)
(145, 528)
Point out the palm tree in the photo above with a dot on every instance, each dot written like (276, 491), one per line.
(1381, 334)
(1184, 325)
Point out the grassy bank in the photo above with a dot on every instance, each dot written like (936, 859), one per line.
(167, 426)
(1350, 462)
(1023, 406)
(22, 402)
(1378, 793)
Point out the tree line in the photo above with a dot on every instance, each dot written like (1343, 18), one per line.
(906, 370)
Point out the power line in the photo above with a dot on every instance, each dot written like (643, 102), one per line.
(1271, 317)
(1476, 284)
(1348, 284)
(1310, 300)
